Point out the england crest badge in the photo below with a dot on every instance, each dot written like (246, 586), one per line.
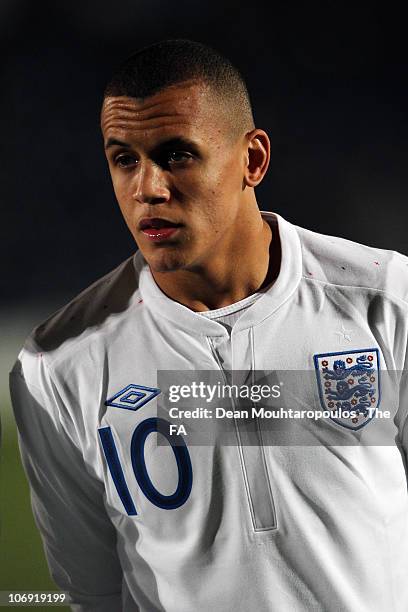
(349, 386)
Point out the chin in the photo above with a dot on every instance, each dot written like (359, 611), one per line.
(166, 261)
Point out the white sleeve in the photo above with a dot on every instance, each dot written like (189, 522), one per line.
(67, 501)
(402, 415)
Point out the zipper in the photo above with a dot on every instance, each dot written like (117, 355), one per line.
(252, 459)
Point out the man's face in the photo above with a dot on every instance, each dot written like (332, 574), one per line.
(177, 173)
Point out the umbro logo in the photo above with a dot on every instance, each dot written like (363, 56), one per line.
(132, 397)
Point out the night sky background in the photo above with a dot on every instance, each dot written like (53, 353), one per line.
(329, 84)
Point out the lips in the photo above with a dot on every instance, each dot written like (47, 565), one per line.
(156, 223)
(157, 228)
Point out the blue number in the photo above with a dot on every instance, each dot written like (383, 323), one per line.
(182, 456)
(115, 468)
(185, 472)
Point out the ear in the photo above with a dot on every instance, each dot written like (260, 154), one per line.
(257, 158)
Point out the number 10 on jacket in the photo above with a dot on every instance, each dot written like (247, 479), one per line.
(137, 455)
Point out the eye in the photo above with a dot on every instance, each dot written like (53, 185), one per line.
(178, 157)
(125, 160)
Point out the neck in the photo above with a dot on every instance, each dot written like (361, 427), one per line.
(231, 274)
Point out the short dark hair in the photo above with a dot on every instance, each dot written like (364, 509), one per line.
(170, 62)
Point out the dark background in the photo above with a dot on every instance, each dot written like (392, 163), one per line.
(328, 83)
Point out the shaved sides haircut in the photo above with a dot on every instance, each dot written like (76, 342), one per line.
(172, 62)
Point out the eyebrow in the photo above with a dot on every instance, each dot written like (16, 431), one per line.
(111, 142)
(176, 141)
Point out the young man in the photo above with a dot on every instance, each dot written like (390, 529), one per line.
(132, 524)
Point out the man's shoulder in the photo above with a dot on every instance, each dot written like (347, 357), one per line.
(101, 305)
(342, 262)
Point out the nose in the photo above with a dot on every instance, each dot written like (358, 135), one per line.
(151, 185)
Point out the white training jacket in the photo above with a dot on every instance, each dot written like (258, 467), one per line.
(131, 525)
